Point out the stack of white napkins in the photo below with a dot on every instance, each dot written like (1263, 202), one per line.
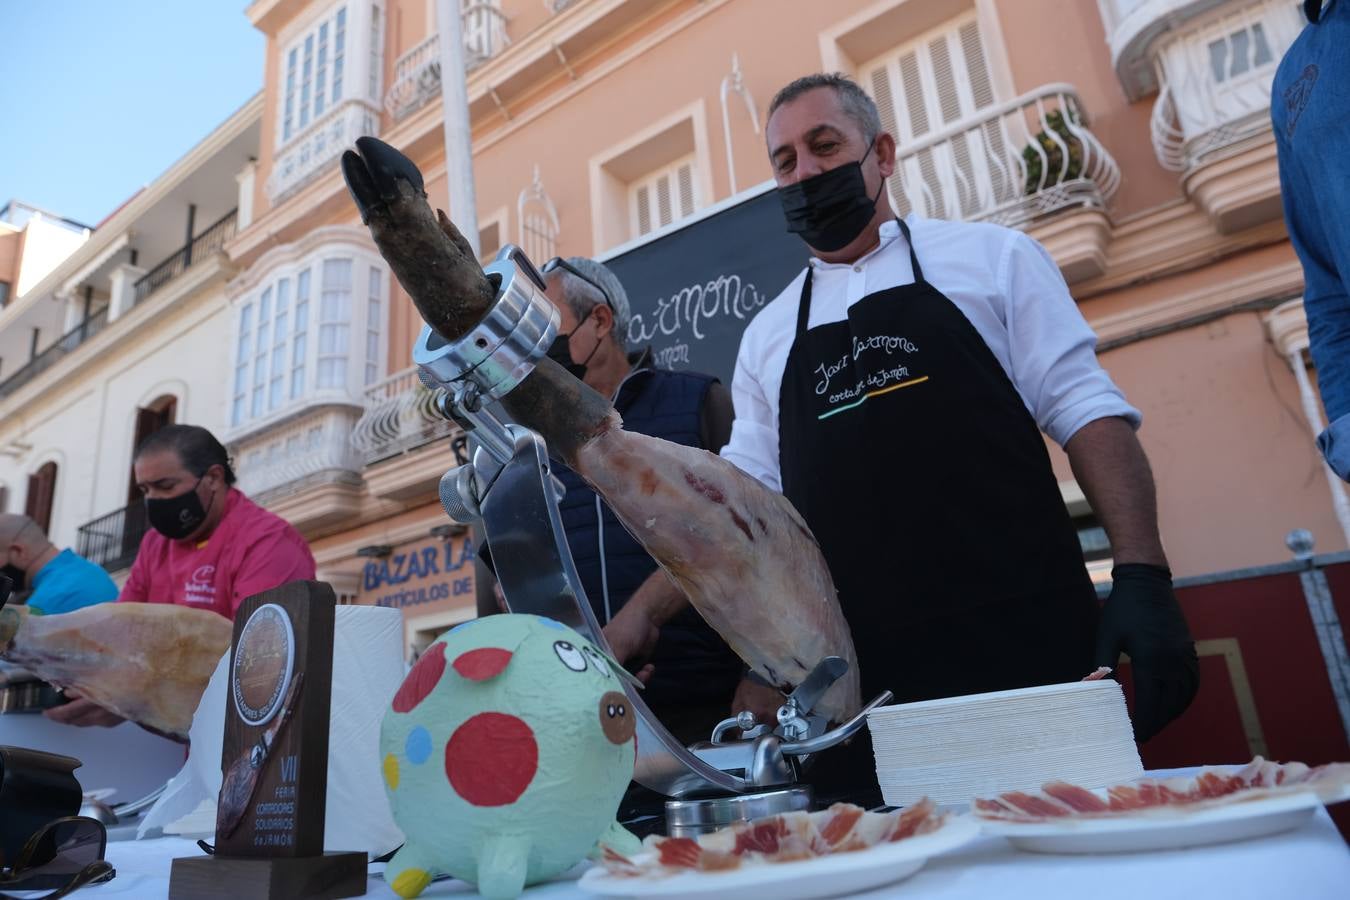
(958, 748)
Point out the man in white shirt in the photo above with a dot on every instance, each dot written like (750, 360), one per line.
(896, 392)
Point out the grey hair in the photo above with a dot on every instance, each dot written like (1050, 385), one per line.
(582, 297)
(852, 99)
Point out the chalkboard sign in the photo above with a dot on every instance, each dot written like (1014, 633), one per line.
(694, 289)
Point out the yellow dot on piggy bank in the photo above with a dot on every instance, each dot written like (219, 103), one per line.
(411, 882)
(391, 771)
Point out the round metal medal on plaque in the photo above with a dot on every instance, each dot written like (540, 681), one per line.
(264, 661)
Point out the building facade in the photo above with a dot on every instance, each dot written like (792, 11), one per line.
(123, 335)
(1130, 137)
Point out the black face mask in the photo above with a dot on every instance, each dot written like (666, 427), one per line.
(831, 209)
(14, 574)
(560, 351)
(176, 517)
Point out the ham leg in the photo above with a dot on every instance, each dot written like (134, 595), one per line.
(740, 552)
(147, 662)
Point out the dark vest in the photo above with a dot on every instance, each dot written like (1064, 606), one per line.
(693, 665)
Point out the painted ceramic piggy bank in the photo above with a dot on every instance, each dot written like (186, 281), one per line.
(506, 752)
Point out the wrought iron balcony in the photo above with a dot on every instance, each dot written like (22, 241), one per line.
(1009, 164)
(1214, 79)
(400, 415)
(64, 344)
(201, 247)
(417, 73)
(113, 539)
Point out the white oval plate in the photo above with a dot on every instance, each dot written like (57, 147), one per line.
(1168, 829)
(825, 876)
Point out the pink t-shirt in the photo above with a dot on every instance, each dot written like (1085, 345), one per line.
(251, 551)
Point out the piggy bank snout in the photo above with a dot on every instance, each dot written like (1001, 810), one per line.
(617, 718)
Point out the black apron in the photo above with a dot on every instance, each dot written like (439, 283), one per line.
(909, 452)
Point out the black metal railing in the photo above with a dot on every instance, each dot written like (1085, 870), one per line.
(112, 540)
(202, 246)
(64, 344)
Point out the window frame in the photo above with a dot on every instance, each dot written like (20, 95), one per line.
(296, 296)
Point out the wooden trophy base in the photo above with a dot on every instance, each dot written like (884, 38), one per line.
(326, 877)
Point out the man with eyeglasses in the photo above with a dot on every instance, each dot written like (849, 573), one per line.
(690, 672)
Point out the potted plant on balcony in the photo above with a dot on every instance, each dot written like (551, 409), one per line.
(1051, 153)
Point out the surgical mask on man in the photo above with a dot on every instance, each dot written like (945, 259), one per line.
(831, 209)
(15, 574)
(176, 517)
(560, 351)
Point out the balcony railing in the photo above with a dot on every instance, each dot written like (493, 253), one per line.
(417, 73)
(1214, 80)
(64, 344)
(292, 454)
(112, 540)
(315, 149)
(202, 246)
(1008, 164)
(400, 415)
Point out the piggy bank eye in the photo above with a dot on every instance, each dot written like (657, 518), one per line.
(571, 657)
(597, 660)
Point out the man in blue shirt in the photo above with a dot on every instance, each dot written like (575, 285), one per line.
(1310, 109)
(59, 580)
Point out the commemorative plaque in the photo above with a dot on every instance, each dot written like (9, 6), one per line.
(270, 817)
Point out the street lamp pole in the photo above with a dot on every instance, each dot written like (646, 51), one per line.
(455, 118)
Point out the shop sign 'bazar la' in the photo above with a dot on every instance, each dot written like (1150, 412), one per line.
(426, 572)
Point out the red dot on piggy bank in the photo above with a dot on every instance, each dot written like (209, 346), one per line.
(491, 759)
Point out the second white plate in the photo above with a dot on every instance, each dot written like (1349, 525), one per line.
(1162, 829)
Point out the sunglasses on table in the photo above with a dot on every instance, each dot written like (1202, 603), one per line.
(558, 262)
(63, 856)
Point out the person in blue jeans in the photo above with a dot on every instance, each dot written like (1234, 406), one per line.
(1310, 112)
(59, 580)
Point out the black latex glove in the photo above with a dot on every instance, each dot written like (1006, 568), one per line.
(1142, 618)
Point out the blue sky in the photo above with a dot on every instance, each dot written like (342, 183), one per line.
(99, 97)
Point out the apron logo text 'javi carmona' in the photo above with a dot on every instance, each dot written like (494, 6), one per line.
(876, 383)
(889, 343)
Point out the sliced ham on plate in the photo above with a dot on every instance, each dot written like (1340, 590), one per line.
(788, 837)
(1209, 788)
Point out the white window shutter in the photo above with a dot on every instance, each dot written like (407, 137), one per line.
(644, 210)
(663, 215)
(685, 175)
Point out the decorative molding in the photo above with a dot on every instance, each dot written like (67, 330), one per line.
(1240, 189)
(1174, 238)
(1214, 297)
(1287, 328)
(328, 237)
(412, 476)
(1077, 239)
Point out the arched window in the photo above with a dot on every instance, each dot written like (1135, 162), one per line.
(41, 492)
(160, 412)
(538, 222)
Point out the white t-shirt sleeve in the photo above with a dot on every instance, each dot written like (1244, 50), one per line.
(753, 447)
(1052, 350)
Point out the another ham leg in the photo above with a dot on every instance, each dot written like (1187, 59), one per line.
(147, 662)
(741, 553)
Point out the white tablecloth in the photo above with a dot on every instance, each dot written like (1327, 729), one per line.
(1310, 863)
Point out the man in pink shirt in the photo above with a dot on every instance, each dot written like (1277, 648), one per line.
(209, 546)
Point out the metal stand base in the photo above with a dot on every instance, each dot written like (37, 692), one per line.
(690, 818)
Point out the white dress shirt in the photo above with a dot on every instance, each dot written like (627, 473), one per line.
(1005, 284)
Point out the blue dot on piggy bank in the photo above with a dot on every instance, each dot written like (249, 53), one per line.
(551, 623)
(418, 746)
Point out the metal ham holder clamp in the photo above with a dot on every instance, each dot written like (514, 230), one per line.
(509, 486)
